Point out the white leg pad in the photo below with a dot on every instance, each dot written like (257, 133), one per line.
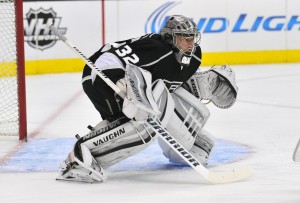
(118, 141)
(185, 125)
(201, 149)
(164, 102)
(101, 124)
(203, 146)
(188, 118)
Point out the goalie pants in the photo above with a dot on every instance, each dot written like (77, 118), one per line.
(104, 99)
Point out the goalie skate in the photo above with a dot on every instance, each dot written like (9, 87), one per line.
(75, 175)
(78, 172)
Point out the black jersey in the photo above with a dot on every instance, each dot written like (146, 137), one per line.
(149, 52)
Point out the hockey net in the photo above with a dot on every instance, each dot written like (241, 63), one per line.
(12, 73)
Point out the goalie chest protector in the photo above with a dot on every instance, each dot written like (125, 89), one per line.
(151, 53)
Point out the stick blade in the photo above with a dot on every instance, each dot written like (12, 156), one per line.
(234, 175)
(296, 155)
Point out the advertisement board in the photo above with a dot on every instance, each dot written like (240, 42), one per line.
(233, 31)
(78, 20)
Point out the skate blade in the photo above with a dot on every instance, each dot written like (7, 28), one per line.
(75, 179)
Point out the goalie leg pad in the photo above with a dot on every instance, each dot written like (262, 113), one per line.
(201, 148)
(101, 124)
(186, 123)
(117, 141)
(164, 102)
(188, 118)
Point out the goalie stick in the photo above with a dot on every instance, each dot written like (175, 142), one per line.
(212, 177)
(296, 155)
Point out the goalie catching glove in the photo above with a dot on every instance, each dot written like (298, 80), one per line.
(216, 84)
(139, 102)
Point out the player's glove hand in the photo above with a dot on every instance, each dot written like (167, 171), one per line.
(222, 94)
(131, 108)
(139, 102)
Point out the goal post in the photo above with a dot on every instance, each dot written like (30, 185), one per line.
(13, 120)
(21, 70)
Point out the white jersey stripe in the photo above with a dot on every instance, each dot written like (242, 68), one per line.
(156, 61)
(196, 57)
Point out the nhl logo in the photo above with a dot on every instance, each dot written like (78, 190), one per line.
(37, 34)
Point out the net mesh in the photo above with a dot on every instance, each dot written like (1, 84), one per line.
(9, 116)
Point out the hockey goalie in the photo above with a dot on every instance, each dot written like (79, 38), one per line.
(159, 73)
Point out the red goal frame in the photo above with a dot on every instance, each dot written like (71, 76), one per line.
(21, 70)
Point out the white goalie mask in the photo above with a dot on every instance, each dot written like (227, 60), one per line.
(181, 33)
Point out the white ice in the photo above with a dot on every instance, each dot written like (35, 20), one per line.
(265, 118)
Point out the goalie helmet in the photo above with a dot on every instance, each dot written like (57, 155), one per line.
(181, 32)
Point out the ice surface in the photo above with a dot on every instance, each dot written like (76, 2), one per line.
(261, 130)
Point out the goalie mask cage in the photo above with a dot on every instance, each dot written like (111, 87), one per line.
(12, 72)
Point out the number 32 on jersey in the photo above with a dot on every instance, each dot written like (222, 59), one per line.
(127, 55)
